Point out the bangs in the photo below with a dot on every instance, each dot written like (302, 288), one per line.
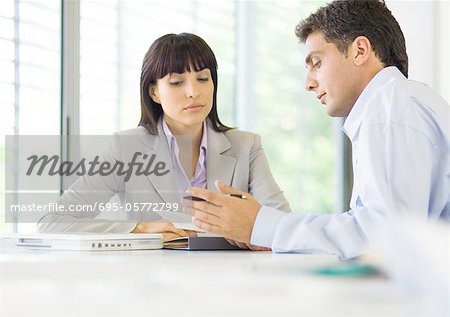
(175, 53)
(181, 53)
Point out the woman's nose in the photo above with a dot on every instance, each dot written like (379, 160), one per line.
(192, 90)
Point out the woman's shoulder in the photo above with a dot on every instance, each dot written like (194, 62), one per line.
(240, 133)
(240, 136)
(135, 131)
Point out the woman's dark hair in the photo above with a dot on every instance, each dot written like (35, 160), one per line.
(343, 21)
(175, 53)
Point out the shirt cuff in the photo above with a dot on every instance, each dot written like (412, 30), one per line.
(265, 226)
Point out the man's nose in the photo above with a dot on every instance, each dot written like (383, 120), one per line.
(310, 83)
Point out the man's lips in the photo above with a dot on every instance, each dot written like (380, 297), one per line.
(321, 97)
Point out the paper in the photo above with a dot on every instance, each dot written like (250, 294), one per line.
(187, 226)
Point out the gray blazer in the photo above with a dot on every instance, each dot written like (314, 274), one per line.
(234, 157)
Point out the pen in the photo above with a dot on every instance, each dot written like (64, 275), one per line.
(193, 198)
(237, 196)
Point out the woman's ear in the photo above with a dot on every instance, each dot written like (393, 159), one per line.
(154, 94)
(361, 50)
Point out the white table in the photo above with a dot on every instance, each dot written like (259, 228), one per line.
(181, 283)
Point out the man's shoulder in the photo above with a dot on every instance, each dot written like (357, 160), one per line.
(415, 98)
(412, 105)
(401, 97)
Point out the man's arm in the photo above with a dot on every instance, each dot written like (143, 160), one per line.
(244, 220)
(394, 177)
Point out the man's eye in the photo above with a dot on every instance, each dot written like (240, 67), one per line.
(317, 64)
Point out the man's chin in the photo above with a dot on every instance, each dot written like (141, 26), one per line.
(334, 112)
(331, 111)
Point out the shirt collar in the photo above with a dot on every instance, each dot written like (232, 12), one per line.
(359, 109)
(171, 138)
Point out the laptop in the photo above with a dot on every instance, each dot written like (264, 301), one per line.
(89, 242)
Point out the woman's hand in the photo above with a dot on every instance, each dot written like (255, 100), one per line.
(166, 228)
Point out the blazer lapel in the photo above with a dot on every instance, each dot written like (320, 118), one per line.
(165, 185)
(219, 166)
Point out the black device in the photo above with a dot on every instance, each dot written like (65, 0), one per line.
(193, 198)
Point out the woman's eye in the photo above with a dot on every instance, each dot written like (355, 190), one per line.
(203, 79)
(175, 83)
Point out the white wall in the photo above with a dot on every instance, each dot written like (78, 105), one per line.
(425, 25)
(442, 65)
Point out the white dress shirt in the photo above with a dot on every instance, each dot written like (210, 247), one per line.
(400, 135)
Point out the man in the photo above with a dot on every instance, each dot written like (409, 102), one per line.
(357, 66)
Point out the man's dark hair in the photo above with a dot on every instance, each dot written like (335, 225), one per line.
(342, 21)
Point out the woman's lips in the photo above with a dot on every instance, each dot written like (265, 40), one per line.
(194, 108)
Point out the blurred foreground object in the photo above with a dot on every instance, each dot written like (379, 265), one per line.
(415, 255)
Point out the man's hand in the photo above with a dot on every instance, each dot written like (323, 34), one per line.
(230, 217)
(167, 229)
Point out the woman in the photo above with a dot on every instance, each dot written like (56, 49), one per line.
(179, 125)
